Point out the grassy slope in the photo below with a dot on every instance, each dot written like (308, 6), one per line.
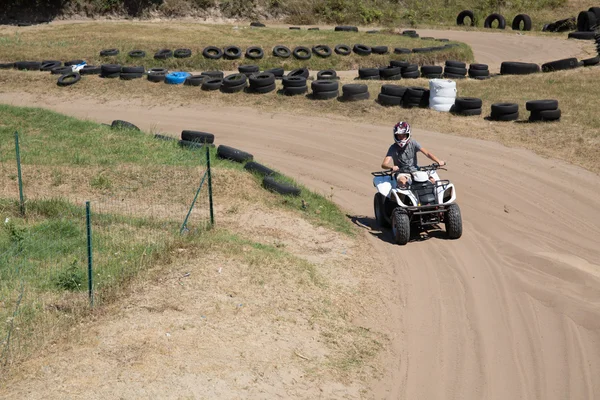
(76, 41)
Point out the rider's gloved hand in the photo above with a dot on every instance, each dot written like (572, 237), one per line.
(395, 168)
(442, 163)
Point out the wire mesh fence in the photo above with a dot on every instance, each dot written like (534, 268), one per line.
(76, 234)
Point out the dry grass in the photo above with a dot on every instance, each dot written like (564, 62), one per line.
(84, 41)
(575, 139)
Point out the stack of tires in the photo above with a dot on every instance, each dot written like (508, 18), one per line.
(324, 89)
(432, 71)
(518, 68)
(391, 95)
(157, 74)
(504, 112)
(294, 85)
(559, 65)
(442, 94)
(368, 73)
(411, 71)
(110, 71)
(543, 110)
(587, 21)
(248, 70)
(234, 83)
(327, 74)
(390, 73)
(467, 106)
(410, 33)
(354, 92)
(196, 139)
(129, 73)
(455, 69)
(415, 97)
(263, 82)
(479, 71)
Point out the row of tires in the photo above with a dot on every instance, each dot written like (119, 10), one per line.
(405, 70)
(521, 22)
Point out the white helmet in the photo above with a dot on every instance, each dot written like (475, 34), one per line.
(402, 128)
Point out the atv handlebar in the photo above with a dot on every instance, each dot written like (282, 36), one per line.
(389, 172)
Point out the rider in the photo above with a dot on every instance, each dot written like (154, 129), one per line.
(402, 155)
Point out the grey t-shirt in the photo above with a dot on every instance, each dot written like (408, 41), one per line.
(405, 158)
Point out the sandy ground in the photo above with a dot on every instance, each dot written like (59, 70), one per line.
(509, 311)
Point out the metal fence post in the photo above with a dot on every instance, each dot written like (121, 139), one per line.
(210, 197)
(21, 198)
(89, 253)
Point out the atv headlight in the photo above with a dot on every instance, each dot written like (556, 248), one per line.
(448, 194)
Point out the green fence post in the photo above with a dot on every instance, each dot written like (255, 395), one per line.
(88, 222)
(210, 198)
(21, 199)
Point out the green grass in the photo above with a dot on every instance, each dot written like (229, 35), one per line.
(64, 42)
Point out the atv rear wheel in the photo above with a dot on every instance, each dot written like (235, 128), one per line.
(379, 208)
(400, 226)
(453, 222)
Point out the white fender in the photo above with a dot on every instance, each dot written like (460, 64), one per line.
(384, 184)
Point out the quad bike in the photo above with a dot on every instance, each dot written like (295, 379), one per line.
(418, 205)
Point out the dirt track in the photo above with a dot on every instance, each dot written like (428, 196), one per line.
(509, 311)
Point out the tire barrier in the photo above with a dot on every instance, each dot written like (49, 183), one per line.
(518, 68)
(194, 80)
(299, 72)
(390, 73)
(322, 50)
(120, 124)
(591, 61)
(281, 51)
(543, 110)
(248, 70)
(493, 18)
(327, 74)
(254, 167)
(467, 106)
(294, 85)
(109, 52)
(74, 62)
(344, 28)
(354, 92)
(277, 72)
(362, 50)
(479, 71)
(442, 94)
(581, 35)
(232, 154)
(157, 74)
(262, 83)
(68, 79)
(324, 90)
(210, 84)
(232, 53)
(271, 184)
(90, 70)
(391, 95)
(410, 33)
(212, 52)
(257, 24)
(411, 71)
(302, 53)
(504, 112)
(563, 25)
(197, 136)
(432, 71)
(234, 83)
(47, 65)
(560, 65)
(110, 71)
(163, 54)
(213, 74)
(455, 69)
(254, 53)
(587, 21)
(342, 50)
(28, 65)
(137, 54)
(415, 97)
(521, 18)
(460, 18)
(368, 73)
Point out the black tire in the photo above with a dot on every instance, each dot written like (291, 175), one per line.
(248, 69)
(395, 77)
(411, 75)
(479, 67)
(467, 103)
(254, 53)
(156, 77)
(194, 80)
(235, 80)
(163, 54)
(262, 89)
(293, 81)
(182, 53)
(588, 62)
(110, 76)
(581, 35)
(541, 105)
(596, 11)
(212, 84)
(294, 28)
(294, 90)
(233, 88)
(326, 74)
(313, 29)
(7, 65)
(324, 86)
(393, 90)
(504, 108)
(389, 71)
(260, 169)
(120, 124)
(278, 72)
(271, 184)
(586, 21)
(343, 50)
(362, 49)
(460, 19)
(518, 68)
(90, 70)
(133, 70)
(163, 137)
(478, 72)
(299, 72)
(422, 50)
(379, 49)
(193, 145)
(387, 100)
(545, 115)
(455, 64)
(495, 17)
(402, 50)
(197, 136)
(232, 53)
(525, 19)
(368, 73)
(448, 75)
(354, 88)
(401, 64)
(354, 97)
(109, 52)
(453, 221)
(400, 226)
(213, 74)
(505, 117)
(431, 70)
(410, 68)
(322, 50)
(559, 65)
(137, 54)
(466, 113)
(47, 65)
(262, 79)
(230, 153)
(325, 95)
(257, 24)
(281, 51)
(127, 76)
(455, 71)
(212, 52)
(345, 28)
(28, 65)
(302, 53)
(73, 62)
(379, 210)
(68, 79)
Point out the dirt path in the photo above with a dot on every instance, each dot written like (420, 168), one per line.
(511, 310)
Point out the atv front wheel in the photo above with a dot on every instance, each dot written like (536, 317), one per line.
(379, 208)
(453, 222)
(400, 226)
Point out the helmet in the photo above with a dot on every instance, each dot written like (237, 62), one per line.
(401, 128)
